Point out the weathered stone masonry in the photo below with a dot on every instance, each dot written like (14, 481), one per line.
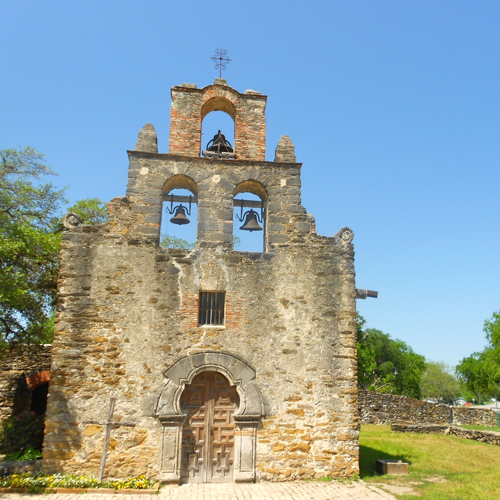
(127, 323)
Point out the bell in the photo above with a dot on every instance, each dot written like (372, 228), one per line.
(219, 144)
(251, 223)
(179, 217)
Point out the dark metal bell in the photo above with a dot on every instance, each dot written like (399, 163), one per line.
(219, 144)
(251, 223)
(179, 217)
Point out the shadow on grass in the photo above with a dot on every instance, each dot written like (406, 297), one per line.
(369, 456)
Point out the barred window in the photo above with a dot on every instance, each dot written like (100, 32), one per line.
(211, 308)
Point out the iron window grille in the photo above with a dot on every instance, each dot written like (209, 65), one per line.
(211, 308)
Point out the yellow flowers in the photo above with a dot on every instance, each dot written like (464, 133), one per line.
(40, 482)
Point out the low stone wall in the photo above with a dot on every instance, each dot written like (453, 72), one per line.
(474, 416)
(384, 409)
(10, 467)
(15, 365)
(489, 437)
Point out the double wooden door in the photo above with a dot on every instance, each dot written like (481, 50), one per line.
(207, 454)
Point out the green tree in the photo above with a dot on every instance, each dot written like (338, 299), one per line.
(387, 365)
(92, 211)
(29, 246)
(480, 372)
(438, 383)
(168, 241)
(30, 239)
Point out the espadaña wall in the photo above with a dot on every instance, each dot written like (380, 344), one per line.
(383, 409)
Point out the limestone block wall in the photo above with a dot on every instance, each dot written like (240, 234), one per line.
(463, 415)
(15, 365)
(383, 409)
(128, 312)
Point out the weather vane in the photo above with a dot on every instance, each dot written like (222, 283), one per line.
(220, 60)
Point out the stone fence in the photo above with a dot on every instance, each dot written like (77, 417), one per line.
(489, 437)
(383, 409)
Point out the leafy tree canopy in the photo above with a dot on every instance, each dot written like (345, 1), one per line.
(92, 211)
(29, 246)
(387, 365)
(480, 372)
(168, 241)
(438, 383)
(30, 239)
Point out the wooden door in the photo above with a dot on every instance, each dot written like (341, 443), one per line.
(207, 454)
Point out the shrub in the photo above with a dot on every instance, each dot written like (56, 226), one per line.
(21, 432)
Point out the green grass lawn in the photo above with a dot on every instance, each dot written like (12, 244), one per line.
(480, 428)
(441, 467)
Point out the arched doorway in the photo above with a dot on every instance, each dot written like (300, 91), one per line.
(208, 433)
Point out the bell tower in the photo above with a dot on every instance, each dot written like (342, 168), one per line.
(190, 105)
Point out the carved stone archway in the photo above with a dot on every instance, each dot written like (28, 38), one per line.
(251, 410)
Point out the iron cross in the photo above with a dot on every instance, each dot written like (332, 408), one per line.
(220, 60)
(108, 426)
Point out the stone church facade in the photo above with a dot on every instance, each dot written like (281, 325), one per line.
(231, 366)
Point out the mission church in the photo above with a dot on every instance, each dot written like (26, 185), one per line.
(220, 365)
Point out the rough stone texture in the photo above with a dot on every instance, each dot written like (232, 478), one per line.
(383, 409)
(9, 467)
(16, 364)
(147, 141)
(285, 150)
(191, 105)
(489, 437)
(127, 323)
(462, 415)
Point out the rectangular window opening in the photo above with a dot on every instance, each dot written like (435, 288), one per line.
(211, 308)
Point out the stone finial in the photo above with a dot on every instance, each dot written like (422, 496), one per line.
(71, 220)
(221, 81)
(147, 141)
(285, 151)
(346, 235)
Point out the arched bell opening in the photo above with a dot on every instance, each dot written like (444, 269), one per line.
(209, 404)
(218, 129)
(249, 216)
(179, 219)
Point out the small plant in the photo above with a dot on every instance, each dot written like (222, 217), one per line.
(19, 433)
(28, 454)
(39, 483)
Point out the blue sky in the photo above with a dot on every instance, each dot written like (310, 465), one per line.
(393, 107)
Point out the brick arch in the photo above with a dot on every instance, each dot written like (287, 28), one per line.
(190, 105)
(218, 103)
(37, 379)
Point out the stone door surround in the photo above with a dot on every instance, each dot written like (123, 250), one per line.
(240, 375)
